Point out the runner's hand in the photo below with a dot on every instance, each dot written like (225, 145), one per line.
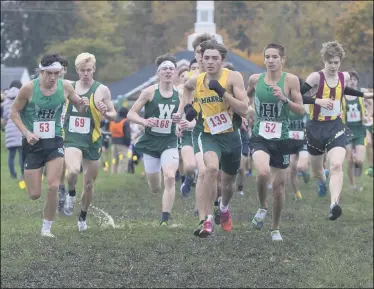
(176, 117)
(277, 92)
(184, 124)
(150, 122)
(178, 131)
(325, 103)
(32, 138)
(102, 107)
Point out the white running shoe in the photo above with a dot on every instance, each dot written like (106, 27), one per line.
(69, 205)
(276, 236)
(82, 226)
(241, 193)
(48, 234)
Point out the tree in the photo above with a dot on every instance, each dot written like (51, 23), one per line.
(355, 33)
(27, 26)
(96, 33)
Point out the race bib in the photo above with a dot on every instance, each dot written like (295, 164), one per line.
(44, 129)
(295, 134)
(353, 116)
(270, 129)
(162, 126)
(334, 111)
(219, 122)
(79, 124)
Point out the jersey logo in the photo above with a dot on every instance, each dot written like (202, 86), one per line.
(165, 110)
(353, 107)
(46, 114)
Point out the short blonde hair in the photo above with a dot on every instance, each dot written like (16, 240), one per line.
(84, 58)
(331, 49)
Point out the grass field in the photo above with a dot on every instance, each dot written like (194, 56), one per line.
(124, 247)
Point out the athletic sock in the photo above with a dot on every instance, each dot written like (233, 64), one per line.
(46, 225)
(165, 216)
(223, 208)
(82, 216)
(72, 193)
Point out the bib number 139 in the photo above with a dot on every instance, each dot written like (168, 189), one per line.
(219, 122)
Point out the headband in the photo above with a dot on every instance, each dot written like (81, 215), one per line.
(166, 63)
(54, 66)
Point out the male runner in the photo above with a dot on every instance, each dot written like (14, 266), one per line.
(353, 116)
(36, 112)
(221, 96)
(159, 142)
(325, 130)
(83, 139)
(274, 93)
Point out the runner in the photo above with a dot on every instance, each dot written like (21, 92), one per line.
(184, 129)
(368, 120)
(220, 140)
(61, 188)
(199, 189)
(325, 130)
(274, 93)
(159, 142)
(83, 139)
(36, 112)
(353, 116)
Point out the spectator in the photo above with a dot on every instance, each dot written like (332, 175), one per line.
(13, 137)
(121, 139)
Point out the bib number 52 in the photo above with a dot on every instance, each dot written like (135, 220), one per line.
(270, 127)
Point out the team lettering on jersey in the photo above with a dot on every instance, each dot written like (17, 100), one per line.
(164, 122)
(47, 114)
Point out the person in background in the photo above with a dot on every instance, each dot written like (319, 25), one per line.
(121, 139)
(104, 127)
(13, 137)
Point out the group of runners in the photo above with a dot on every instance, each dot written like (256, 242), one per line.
(207, 126)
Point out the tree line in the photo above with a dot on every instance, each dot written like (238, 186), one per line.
(126, 35)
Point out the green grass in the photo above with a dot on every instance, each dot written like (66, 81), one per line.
(137, 253)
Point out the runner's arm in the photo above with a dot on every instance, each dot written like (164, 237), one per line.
(143, 98)
(238, 100)
(187, 97)
(296, 105)
(73, 96)
(18, 105)
(111, 113)
(251, 87)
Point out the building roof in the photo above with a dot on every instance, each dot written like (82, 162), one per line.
(8, 74)
(146, 76)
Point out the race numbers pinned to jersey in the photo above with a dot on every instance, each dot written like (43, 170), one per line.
(162, 126)
(219, 122)
(270, 129)
(353, 116)
(296, 135)
(44, 129)
(334, 111)
(79, 124)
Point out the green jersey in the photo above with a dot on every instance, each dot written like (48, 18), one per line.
(162, 108)
(82, 129)
(272, 115)
(297, 125)
(42, 115)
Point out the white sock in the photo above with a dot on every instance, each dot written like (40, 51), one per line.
(333, 204)
(210, 218)
(223, 208)
(46, 225)
(261, 213)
